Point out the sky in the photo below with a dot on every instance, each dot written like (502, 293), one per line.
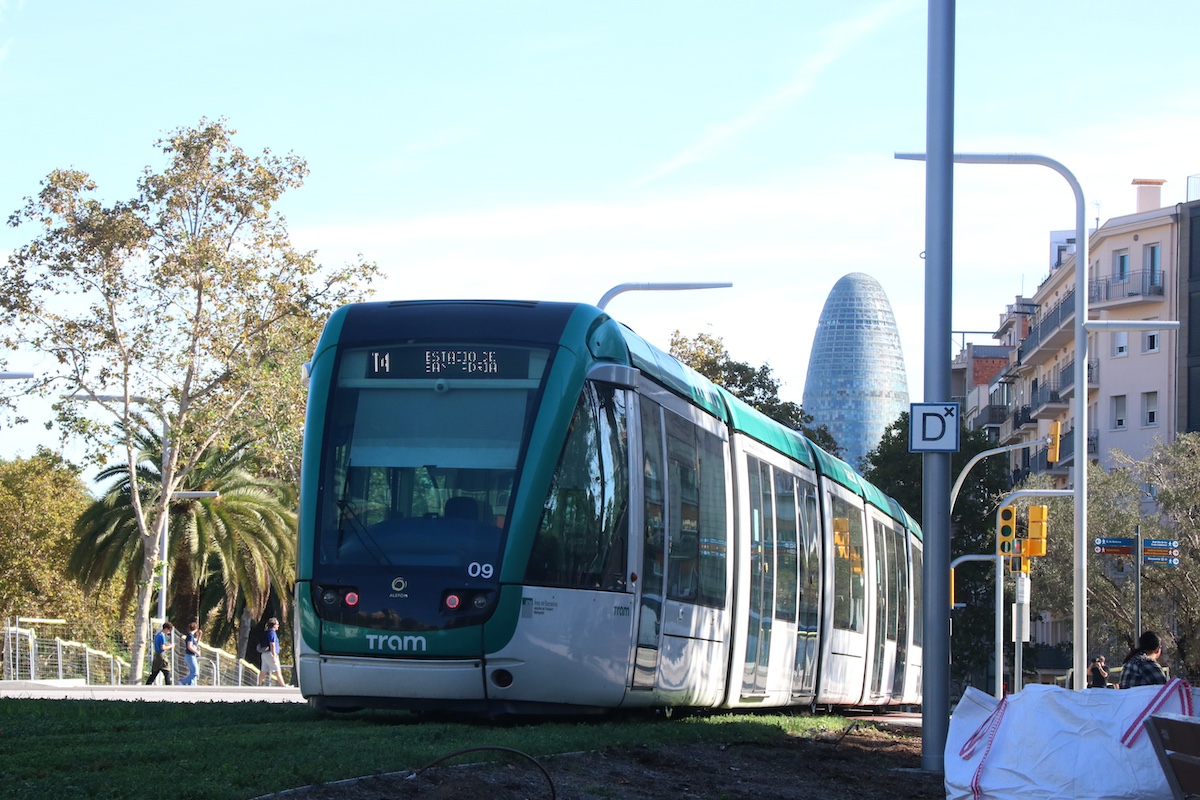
(552, 150)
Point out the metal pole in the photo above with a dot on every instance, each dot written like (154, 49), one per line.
(939, 242)
(1020, 630)
(162, 544)
(1137, 582)
(998, 688)
(998, 650)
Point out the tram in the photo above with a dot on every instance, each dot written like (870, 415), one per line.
(523, 507)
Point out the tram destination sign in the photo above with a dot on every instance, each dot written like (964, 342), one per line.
(454, 361)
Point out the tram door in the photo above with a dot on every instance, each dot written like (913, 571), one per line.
(809, 599)
(886, 611)
(761, 578)
(900, 539)
(653, 547)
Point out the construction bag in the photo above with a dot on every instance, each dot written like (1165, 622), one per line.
(1048, 743)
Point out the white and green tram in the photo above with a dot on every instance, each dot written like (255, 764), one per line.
(523, 507)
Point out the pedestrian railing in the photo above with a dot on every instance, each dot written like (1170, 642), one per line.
(29, 657)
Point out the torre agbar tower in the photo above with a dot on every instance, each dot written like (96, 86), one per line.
(856, 384)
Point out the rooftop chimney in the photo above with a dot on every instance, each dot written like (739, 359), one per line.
(1149, 194)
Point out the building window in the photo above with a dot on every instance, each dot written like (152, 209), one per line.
(1118, 411)
(1152, 264)
(1121, 266)
(1150, 345)
(1120, 341)
(1149, 408)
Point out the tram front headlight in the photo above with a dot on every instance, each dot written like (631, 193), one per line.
(329, 597)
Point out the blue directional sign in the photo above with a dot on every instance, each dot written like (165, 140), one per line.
(1109, 541)
(1165, 561)
(1162, 544)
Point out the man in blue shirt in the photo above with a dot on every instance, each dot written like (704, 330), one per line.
(162, 646)
(270, 656)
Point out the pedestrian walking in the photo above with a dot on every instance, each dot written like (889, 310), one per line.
(191, 653)
(269, 647)
(162, 649)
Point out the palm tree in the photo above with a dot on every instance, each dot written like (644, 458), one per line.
(231, 554)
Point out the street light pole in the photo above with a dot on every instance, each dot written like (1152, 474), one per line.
(655, 287)
(1079, 662)
(162, 474)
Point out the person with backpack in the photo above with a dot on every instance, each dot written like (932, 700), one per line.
(268, 645)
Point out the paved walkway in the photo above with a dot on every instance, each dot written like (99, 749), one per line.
(71, 690)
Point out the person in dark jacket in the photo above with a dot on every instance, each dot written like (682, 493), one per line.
(1098, 674)
(1141, 666)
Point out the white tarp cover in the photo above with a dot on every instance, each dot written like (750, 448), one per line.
(1048, 742)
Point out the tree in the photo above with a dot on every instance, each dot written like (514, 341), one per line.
(228, 554)
(707, 355)
(898, 472)
(1119, 503)
(1172, 472)
(186, 302)
(40, 497)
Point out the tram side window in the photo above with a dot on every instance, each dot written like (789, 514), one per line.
(697, 557)
(581, 540)
(786, 547)
(849, 580)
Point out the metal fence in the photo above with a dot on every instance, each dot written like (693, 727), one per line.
(29, 657)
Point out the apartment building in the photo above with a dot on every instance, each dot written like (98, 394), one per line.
(1142, 385)
(1136, 272)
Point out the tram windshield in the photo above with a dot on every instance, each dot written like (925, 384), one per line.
(421, 454)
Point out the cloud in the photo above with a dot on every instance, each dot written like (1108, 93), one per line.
(836, 41)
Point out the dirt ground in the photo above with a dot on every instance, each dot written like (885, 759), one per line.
(865, 763)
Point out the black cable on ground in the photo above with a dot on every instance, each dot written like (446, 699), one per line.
(536, 763)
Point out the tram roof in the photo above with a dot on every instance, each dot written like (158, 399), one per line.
(746, 419)
(675, 375)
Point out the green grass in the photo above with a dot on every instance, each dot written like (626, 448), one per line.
(109, 749)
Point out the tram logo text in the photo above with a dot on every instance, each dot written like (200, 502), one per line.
(396, 644)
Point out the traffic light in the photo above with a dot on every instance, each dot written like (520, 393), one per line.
(1052, 447)
(1006, 532)
(1035, 545)
(1019, 564)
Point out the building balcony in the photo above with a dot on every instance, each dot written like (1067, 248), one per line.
(1066, 378)
(1012, 429)
(1053, 331)
(991, 416)
(1136, 287)
(1048, 401)
(1066, 447)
